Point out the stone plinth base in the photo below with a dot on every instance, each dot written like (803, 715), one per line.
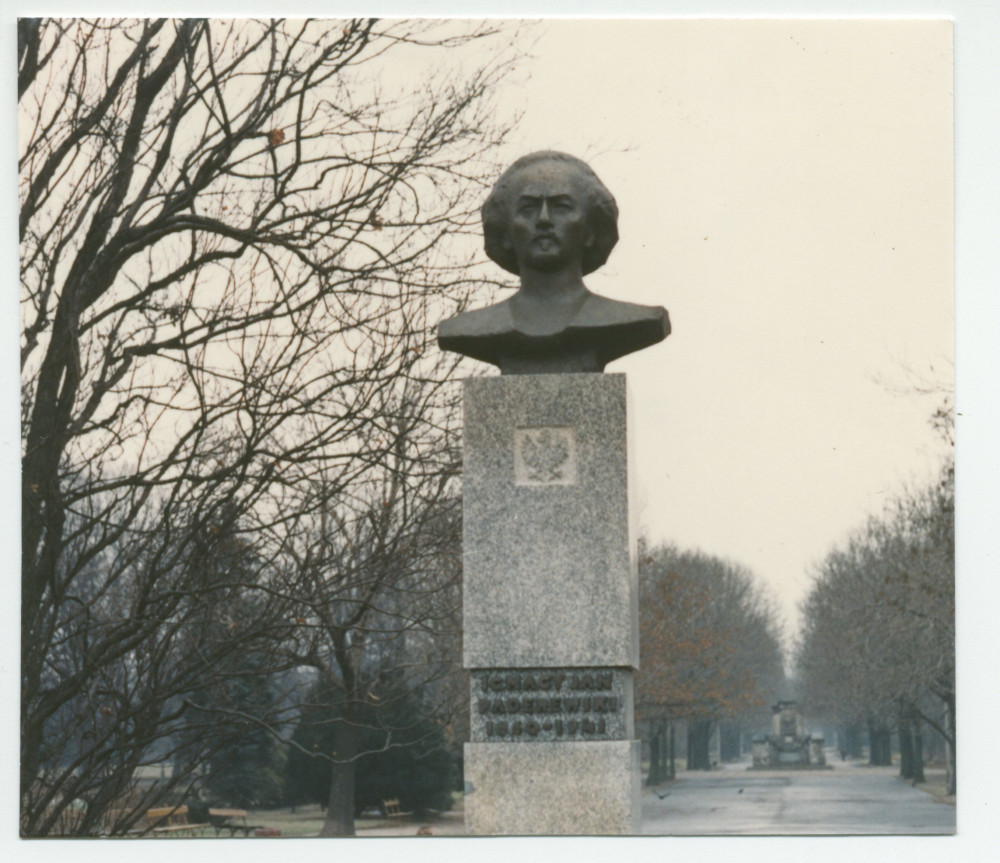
(561, 788)
(549, 565)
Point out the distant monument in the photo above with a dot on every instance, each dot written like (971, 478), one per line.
(788, 746)
(550, 599)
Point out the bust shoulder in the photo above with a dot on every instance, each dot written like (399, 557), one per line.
(595, 311)
(487, 321)
(600, 330)
(599, 311)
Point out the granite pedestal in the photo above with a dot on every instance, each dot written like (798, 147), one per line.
(550, 606)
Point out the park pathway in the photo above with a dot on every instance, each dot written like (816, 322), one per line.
(849, 799)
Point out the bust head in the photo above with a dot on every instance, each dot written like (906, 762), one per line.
(579, 181)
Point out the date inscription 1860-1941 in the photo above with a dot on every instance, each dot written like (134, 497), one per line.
(548, 704)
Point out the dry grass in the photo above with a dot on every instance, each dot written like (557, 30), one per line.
(936, 785)
(303, 821)
(308, 821)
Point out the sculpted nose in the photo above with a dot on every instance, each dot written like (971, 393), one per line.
(544, 217)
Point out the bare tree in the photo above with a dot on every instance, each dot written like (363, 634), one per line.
(878, 641)
(234, 237)
(375, 582)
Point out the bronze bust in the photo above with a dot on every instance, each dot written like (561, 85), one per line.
(550, 220)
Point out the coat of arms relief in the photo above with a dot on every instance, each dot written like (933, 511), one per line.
(544, 456)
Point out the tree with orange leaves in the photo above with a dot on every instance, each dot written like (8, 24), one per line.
(710, 648)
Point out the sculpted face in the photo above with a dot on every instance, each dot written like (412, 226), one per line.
(549, 227)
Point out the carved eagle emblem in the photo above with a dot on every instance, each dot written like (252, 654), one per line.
(544, 455)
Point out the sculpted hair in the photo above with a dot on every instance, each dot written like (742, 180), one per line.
(602, 212)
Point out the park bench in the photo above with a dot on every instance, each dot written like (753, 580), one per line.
(231, 820)
(175, 818)
(391, 810)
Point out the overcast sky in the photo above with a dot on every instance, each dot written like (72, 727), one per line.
(785, 190)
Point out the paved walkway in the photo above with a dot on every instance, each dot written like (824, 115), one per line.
(849, 799)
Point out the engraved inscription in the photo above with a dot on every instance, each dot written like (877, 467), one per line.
(544, 456)
(550, 704)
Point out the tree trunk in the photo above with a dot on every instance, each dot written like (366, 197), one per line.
(729, 741)
(671, 750)
(885, 746)
(852, 740)
(655, 757)
(918, 751)
(698, 737)
(935, 747)
(949, 702)
(339, 820)
(879, 748)
(905, 747)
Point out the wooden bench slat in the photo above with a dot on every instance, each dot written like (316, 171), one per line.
(229, 813)
(391, 809)
(176, 817)
(225, 819)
